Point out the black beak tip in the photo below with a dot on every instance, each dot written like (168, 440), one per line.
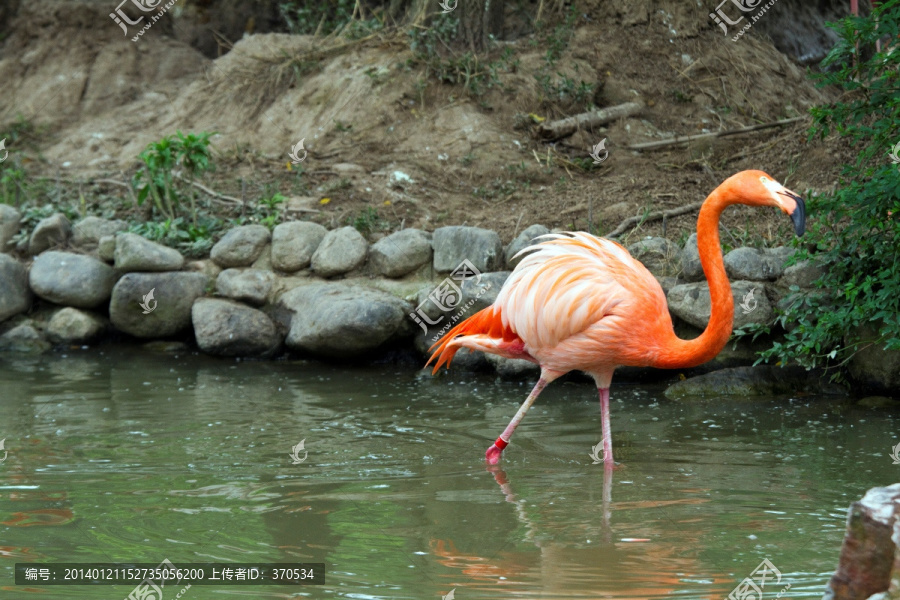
(799, 217)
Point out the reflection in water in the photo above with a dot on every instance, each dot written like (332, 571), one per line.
(129, 456)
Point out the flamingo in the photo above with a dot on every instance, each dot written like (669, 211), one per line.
(579, 302)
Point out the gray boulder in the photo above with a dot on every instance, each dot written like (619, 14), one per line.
(874, 366)
(453, 245)
(691, 269)
(72, 279)
(870, 557)
(803, 274)
(294, 243)
(474, 294)
(72, 326)
(691, 303)
(87, 232)
(24, 338)
(659, 255)
(9, 225)
(341, 251)
(106, 248)
(135, 253)
(512, 368)
(756, 265)
(226, 328)
(341, 320)
(15, 295)
(50, 232)
(401, 253)
(522, 241)
(170, 308)
(761, 380)
(246, 285)
(240, 246)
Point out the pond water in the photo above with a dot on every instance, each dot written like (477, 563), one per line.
(122, 455)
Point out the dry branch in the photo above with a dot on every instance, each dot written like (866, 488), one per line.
(654, 216)
(687, 138)
(556, 130)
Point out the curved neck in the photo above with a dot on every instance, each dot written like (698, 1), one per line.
(678, 353)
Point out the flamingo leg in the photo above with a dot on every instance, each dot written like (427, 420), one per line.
(604, 424)
(492, 456)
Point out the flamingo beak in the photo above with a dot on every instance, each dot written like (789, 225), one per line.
(798, 215)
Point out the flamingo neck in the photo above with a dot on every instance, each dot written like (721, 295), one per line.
(678, 353)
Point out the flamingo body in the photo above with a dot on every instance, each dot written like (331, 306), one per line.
(579, 302)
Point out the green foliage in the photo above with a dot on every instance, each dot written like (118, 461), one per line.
(156, 179)
(268, 210)
(325, 17)
(854, 232)
(366, 221)
(192, 240)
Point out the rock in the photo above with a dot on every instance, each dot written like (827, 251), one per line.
(173, 296)
(878, 402)
(15, 295)
(205, 266)
(401, 253)
(659, 255)
(264, 262)
(246, 285)
(240, 246)
(667, 283)
(341, 250)
(87, 232)
(513, 368)
(9, 225)
(52, 231)
(454, 298)
(761, 380)
(24, 338)
(342, 320)
(875, 367)
(294, 243)
(522, 241)
(70, 279)
(868, 553)
(226, 328)
(481, 247)
(106, 248)
(165, 347)
(135, 253)
(690, 302)
(691, 269)
(756, 265)
(803, 274)
(72, 326)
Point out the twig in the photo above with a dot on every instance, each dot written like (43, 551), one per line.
(655, 216)
(212, 193)
(555, 130)
(688, 138)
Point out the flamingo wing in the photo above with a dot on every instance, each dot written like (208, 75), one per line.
(576, 302)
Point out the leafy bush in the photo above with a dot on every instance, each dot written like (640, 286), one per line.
(854, 231)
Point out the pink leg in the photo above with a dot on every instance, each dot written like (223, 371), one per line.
(604, 424)
(493, 453)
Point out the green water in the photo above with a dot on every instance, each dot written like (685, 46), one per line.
(119, 455)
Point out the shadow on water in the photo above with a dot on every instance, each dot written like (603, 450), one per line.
(117, 455)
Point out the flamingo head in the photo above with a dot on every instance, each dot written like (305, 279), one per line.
(760, 189)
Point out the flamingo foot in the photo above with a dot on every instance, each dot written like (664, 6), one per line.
(492, 456)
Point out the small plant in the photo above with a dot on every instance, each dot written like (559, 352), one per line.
(268, 210)
(365, 221)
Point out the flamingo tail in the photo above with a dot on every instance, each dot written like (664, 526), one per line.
(483, 331)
